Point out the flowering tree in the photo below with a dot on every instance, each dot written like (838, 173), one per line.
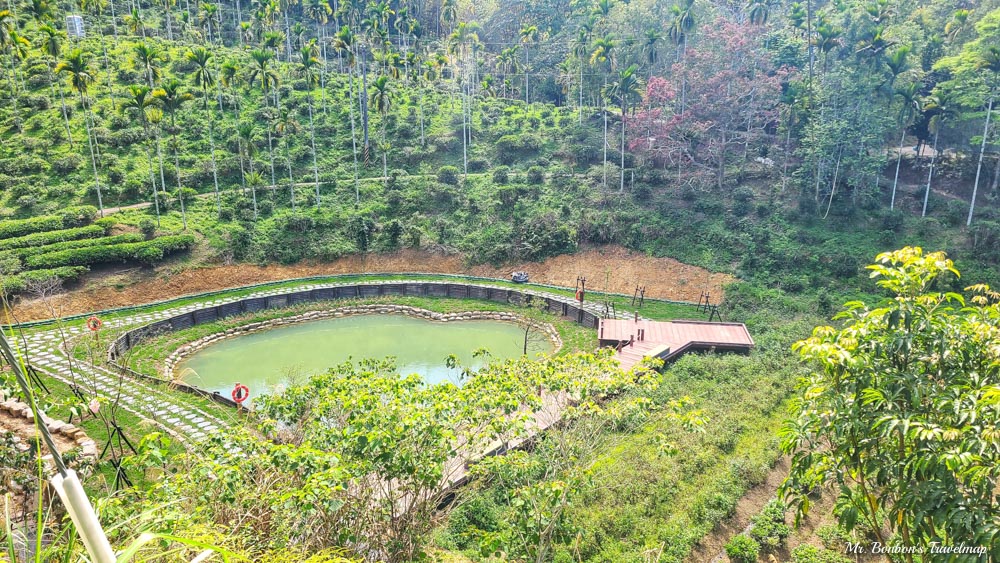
(731, 98)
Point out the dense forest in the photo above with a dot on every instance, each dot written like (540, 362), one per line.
(784, 143)
(480, 126)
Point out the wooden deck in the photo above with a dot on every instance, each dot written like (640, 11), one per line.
(638, 339)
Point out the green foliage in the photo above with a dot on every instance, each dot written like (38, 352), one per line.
(742, 549)
(21, 227)
(50, 237)
(501, 174)
(148, 252)
(23, 253)
(397, 429)
(536, 175)
(768, 527)
(938, 478)
(20, 282)
(147, 227)
(448, 175)
(812, 554)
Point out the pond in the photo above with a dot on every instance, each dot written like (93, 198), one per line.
(264, 361)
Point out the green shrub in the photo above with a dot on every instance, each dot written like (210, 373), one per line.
(742, 549)
(10, 285)
(147, 227)
(448, 175)
(50, 237)
(536, 175)
(813, 554)
(23, 253)
(147, 251)
(501, 174)
(21, 227)
(78, 215)
(769, 528)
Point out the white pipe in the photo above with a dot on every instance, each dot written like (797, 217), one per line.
(82, 513)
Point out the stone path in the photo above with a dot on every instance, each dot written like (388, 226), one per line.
(169, 410)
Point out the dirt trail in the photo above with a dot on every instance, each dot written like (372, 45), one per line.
(614, 268)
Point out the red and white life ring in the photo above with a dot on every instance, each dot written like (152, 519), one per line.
(579, 295)
(94, 324)
(240, 393)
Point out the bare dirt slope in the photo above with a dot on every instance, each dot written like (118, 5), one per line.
(613, 268)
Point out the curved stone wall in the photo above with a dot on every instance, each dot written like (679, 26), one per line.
(190, 348)
(563, 306)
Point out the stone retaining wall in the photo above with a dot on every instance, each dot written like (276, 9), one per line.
(186, 350)
(559, 305)
(88, 448)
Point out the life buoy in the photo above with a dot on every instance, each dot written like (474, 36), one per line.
(579, 295)
(240, 393)
(94, 324)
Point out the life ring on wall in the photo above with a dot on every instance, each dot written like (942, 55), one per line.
(240, 393)
(579, 295)
(94, 324)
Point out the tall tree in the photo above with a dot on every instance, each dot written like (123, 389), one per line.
(204, 78)
(625, 91)
(899, 412)
(909, 108)
(529, 36)
(138, 105)
(308, 66)
(77, 66)
(51, 45)
(285, 127)
(943, 108)
(382, 101)
(603, 56)
(172, 100)
(344, 44)
(263, 72)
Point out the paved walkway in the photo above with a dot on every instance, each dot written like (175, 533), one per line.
(170, 410)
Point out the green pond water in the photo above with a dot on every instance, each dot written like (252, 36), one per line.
(269, 360)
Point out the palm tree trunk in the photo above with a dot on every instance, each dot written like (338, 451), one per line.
(166, 8)
(93, 158)
(930, 174)
(604, 111)
(107, 70)
(385, 149)
(159, 158)
(526, 63)
(833, 187)
(788, 144)
(270, 155)
(580, 112)
(420, 109)
(354, 134)
(465, 149)
(114, 23)
(363, 105)
(62, 101)
(621, 184)
(288, 162)
(321, 32)
(152, 181)
(979, 167)
(895, 179)
(312, 139)
(215, 170)
(180, 189)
